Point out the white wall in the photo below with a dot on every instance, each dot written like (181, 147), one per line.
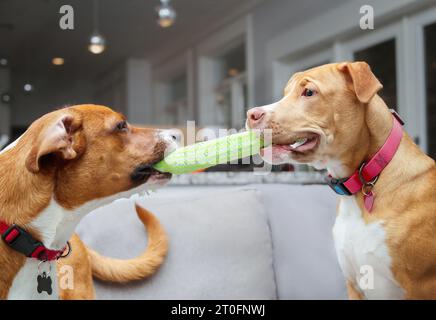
(139, 99)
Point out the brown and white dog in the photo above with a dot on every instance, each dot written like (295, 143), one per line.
(68, 163)
(332, 118)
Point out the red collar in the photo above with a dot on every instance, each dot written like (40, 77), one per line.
(20, 240)
(366, 177)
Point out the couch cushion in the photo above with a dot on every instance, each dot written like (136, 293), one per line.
(220, 245)
(301, 219)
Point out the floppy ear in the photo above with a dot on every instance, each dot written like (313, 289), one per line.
(57, 138)
(365, 83)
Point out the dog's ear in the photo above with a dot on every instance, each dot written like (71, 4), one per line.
(56, 138)
(364, 82)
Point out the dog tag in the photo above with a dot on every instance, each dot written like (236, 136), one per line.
(369, 201)
(44, 283)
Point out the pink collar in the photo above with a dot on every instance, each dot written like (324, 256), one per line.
(366, 177)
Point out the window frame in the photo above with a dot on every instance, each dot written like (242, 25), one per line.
(403, 22)
(393, 31)
(417, 24)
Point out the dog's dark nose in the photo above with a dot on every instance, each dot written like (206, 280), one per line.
(255, 116)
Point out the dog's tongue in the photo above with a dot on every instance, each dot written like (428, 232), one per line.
(306, 146)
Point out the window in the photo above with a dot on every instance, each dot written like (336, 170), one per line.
(382, 59)
(430, 74)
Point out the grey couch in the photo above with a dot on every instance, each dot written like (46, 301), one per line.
(256, 242)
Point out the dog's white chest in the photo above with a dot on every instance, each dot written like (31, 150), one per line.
(363, 254)
(25, 284)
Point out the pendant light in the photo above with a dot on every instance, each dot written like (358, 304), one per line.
(97, 43)
(166, 15)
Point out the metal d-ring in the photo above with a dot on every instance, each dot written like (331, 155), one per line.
(367, 186)
(39, 266)
(70, 249)
(367, 189)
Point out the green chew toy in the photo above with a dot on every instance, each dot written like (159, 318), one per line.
(211, 153)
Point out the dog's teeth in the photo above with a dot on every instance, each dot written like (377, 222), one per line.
(298, 143)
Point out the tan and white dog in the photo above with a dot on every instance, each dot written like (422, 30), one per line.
(68, 163)
(332, 118)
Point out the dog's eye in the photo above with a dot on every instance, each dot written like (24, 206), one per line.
(308, 93)
(122, 126)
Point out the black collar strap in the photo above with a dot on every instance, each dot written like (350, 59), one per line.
(22, 241)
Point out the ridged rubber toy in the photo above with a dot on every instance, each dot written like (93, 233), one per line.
(211, 153)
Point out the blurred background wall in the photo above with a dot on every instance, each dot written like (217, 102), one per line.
(216, 60)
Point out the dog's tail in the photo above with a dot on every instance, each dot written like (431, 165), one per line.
(144, 265)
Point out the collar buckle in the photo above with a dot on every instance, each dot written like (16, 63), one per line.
(338, 186)
(20, 240)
